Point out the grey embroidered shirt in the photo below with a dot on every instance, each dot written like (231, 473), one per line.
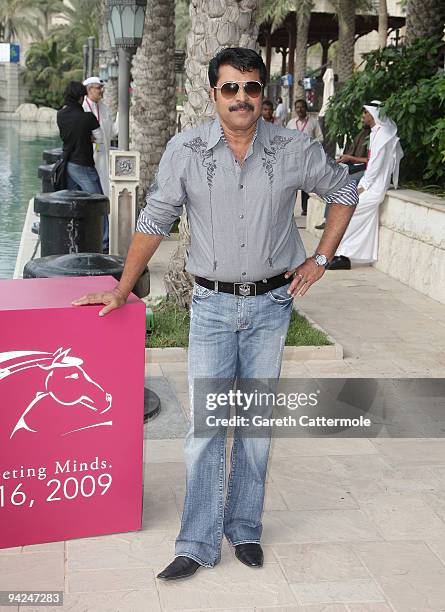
(241, 215)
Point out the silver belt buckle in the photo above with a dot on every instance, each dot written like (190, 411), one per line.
(244, 289)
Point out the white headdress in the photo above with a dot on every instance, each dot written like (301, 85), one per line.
(92, 81)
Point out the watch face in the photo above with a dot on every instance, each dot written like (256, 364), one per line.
(321, 260)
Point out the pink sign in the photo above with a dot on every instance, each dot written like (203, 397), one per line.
(71, 412)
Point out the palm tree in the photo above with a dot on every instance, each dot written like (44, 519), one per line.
(46, 9)
(303, 21)
(49, 66)
(425, 18)
(15, 20)
(182, 23)
(383, 23)
(214, 25)
(276, 11)
(111, 89)
(346, 38)
(153, 109)
(84, 19)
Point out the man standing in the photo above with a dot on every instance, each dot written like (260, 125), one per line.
(360, 242)
(77, 130)
(267, 111)
(307, 125)
(280, 112)
(93, 103)
(237, 177)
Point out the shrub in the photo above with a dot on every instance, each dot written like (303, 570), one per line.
(406, 80)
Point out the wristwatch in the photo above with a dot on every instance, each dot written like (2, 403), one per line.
(320, 260)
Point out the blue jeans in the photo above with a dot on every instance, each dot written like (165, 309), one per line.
(230, 337)
(85, 178)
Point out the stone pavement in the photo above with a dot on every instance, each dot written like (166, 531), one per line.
(350, 525)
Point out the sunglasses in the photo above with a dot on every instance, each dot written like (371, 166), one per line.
(230, 89)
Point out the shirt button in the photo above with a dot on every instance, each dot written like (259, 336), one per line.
(243, 245)
(241, 216)
(243, 273)
(241, 186)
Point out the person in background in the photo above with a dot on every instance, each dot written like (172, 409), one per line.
(78, 130)
(360, 241)
(355, 157)
(267, 111)
(93, 103)
(308, 125)
(280, 112)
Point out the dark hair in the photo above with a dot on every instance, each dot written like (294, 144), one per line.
(268, 103)
(301, 101)
(73, 91)
(240, 58)
(280, 100)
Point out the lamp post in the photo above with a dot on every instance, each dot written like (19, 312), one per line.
(125, 28)
(103, 72)
(113, 70)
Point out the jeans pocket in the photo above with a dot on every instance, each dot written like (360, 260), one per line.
(201, 292)
(280, 295)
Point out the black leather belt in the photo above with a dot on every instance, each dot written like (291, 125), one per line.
(245, 289)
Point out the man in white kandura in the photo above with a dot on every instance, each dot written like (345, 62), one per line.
(360, 241)
(93, 103)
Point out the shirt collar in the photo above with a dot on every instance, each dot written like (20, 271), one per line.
(216, 133)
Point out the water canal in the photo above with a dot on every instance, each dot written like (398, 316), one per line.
(21, 147)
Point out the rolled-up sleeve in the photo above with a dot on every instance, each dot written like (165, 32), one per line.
(325, 177)
(167, 194)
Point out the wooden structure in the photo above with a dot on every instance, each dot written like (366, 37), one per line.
(323, 29)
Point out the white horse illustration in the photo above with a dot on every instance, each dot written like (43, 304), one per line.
(66, 382)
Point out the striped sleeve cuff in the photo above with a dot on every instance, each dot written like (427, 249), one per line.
(347, 195)
(145, 225)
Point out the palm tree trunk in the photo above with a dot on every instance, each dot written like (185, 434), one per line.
(346, 39)
(383, 23)
(110, 92)
(153, 108)
(303, 11)
(214, 24)
(425, 18)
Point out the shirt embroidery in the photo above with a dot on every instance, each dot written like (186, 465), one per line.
(198, 145)
(277, 143)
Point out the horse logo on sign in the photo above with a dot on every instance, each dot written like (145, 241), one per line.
(64, 382)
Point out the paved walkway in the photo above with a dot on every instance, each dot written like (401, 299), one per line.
(350, 525)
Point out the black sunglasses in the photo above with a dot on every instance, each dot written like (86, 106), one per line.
(230, 89)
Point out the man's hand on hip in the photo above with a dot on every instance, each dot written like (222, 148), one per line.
(305, 275)
(112, 300)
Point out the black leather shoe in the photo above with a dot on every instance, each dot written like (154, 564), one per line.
(304, 213)
(340, 262)
(180, 567)
(321, 226)
(250, 554)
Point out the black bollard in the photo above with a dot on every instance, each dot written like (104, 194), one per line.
(84, 264)
(50, 156)
(44, 173)
(71, 221)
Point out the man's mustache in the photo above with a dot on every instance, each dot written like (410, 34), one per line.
(241, 106)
